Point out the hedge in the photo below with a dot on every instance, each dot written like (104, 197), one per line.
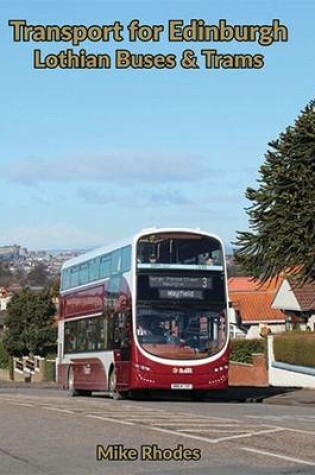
(242, 350)
(297, 348)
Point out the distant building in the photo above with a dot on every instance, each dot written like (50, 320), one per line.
(5, 298)
(9, 253)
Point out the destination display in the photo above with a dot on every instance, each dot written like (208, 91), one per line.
(180, 282)
(195, 287)
(180, 294)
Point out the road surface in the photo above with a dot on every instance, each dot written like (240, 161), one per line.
(46, 432)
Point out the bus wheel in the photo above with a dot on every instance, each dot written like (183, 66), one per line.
(71, 389)
(112, 391)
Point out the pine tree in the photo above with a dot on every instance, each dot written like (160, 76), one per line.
(282, 213)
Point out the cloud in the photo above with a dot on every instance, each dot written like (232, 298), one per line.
(177, 196)
(138, 199)
(115, 167)
(172, 198)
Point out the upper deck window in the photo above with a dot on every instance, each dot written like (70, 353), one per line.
(179, 248)
(105, 265)
(101, 267)
(126, 259)
(74, 276)
(116, 262)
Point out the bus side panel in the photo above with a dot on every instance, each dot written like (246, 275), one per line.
(122, 364)
(123, 336)
(83, 302)
(89, 374)
(62, 375)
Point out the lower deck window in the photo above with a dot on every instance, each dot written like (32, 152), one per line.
(88, 334)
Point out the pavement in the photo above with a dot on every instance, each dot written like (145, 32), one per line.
(296, 397)
(23, 385)
(265, 395)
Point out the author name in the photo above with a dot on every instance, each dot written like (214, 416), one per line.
(118, 452)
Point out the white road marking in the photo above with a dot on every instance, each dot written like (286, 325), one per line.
(213, 418)
(193, 423)
(119, 413)
(56, 409)
(301, 431)
(233, 426)
(283, 418)
(108, 419)
(22, 404)
(289, 429)
(151, 416)
(134, 417)
(142, 408)
(181, 434)
(215, 430)
(266, 417)
(16, 400)
(7, 398)
(206, 439)
(279, 456)
(188, 423)
(251, 434)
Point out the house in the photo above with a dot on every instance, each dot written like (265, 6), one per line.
(251, 315)
(298, 304)
(4, 299)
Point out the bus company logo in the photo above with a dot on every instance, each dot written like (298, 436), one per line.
(87, 369)
(182, 370)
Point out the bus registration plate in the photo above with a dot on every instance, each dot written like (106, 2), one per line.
(181, 386)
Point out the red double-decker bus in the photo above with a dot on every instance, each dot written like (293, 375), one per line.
(147, 314)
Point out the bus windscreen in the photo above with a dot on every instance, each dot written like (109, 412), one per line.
(179, 248)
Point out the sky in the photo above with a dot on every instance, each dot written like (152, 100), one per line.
(90, 156)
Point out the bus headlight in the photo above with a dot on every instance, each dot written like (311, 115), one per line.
(219, 369)
(142, 367)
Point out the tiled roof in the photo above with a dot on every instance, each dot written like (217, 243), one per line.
(241, 284)
(253, 299)
(248, 284)
(255, 306)
(305, 295)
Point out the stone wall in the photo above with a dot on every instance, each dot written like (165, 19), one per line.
(243, 374)
(5, 375)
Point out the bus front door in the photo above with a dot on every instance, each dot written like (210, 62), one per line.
(122, 349)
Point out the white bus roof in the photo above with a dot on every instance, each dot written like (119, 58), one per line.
(127, 242)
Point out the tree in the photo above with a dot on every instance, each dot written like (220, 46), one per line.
(29, 323)
(38, 276)
(282, 213)
(234, 269)
(6, 275)
(54, 287)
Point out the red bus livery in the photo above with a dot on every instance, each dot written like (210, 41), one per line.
(147, 314)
